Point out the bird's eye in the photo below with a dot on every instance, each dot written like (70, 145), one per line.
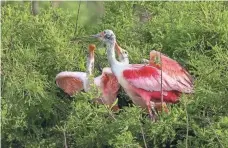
(108, 36)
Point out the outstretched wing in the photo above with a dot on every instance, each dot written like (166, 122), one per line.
(71, 82)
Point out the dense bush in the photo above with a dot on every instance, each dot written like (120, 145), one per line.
(35, 113)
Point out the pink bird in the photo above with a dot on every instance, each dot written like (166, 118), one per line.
(172, 68)
(155, 105)
(74, 82)
(142, 82)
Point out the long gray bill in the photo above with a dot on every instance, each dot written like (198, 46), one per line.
(96, 35)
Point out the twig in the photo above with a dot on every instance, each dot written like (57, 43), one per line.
(35, 7)
(143, 134)
(100, 68)
(161, 82)
(108, 109)
(187, 124)
(215, 133)
(65, 141)
(76, 27)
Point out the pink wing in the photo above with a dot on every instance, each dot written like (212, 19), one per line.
(173, 69)
(109, 86)
(70, 82)
(149, 78)
(109, 82)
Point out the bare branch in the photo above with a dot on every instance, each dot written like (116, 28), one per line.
(35, 7)
(76, 27)
(143, 134)
(161, 82)
(187, 124)
(55, 4)
(215, 133)
(65, 141)
(108, 110)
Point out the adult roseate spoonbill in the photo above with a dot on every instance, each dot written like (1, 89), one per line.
(73, 82)
(170, 67)
(141, 82)
(157, 105)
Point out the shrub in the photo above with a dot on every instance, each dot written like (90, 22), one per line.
(35, 113)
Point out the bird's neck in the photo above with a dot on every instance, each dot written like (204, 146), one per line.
(90, 64)
(111, 54)
(125, 60)
(89, 71)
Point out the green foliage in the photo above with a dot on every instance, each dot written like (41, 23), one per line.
(35, 113)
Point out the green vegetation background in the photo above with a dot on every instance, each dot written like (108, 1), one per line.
(35, 113)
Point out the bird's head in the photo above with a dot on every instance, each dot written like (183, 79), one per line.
(125, 53)
(90, 59)
(91, 49)
(122, 53)
(106, 36)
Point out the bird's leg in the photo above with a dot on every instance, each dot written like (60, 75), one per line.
(150, 108)
(153, 107)
(150, 112)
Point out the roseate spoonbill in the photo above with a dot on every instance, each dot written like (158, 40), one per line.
(141, 82)
(170, 67)
(74, 82)
(155, 105)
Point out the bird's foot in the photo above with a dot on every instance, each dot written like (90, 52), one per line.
(152, 118)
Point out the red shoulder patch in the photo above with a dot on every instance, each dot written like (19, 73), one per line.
(144, 71)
